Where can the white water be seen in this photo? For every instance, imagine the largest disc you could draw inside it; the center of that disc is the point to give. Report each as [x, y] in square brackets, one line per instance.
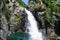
[32, 26]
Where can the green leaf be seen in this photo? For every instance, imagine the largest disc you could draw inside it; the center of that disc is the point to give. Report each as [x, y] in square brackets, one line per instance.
[21, 3]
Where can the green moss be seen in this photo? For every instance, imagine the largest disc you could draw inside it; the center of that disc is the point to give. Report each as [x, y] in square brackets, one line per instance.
[3, 16]
[0, 1]
[17, 19]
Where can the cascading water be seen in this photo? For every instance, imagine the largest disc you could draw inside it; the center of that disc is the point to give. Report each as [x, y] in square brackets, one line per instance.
[32, 27]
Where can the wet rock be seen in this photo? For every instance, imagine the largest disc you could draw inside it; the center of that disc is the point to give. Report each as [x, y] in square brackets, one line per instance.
[1, 38]
[23, 19]
[57, 27]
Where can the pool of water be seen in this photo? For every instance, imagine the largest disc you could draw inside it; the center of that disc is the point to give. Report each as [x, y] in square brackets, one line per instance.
[20, 36]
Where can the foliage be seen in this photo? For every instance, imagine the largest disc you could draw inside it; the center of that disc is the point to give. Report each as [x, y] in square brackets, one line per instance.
[51, 8]
[21, 3]
[52, 5]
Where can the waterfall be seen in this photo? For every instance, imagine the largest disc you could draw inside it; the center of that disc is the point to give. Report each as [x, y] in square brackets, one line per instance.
[32, 27]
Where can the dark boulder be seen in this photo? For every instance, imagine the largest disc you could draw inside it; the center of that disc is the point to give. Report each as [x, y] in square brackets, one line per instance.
[57, 27]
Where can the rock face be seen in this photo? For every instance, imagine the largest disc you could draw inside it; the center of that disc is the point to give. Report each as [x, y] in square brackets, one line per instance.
[16, 21]
[17, 18]
[38, 11]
